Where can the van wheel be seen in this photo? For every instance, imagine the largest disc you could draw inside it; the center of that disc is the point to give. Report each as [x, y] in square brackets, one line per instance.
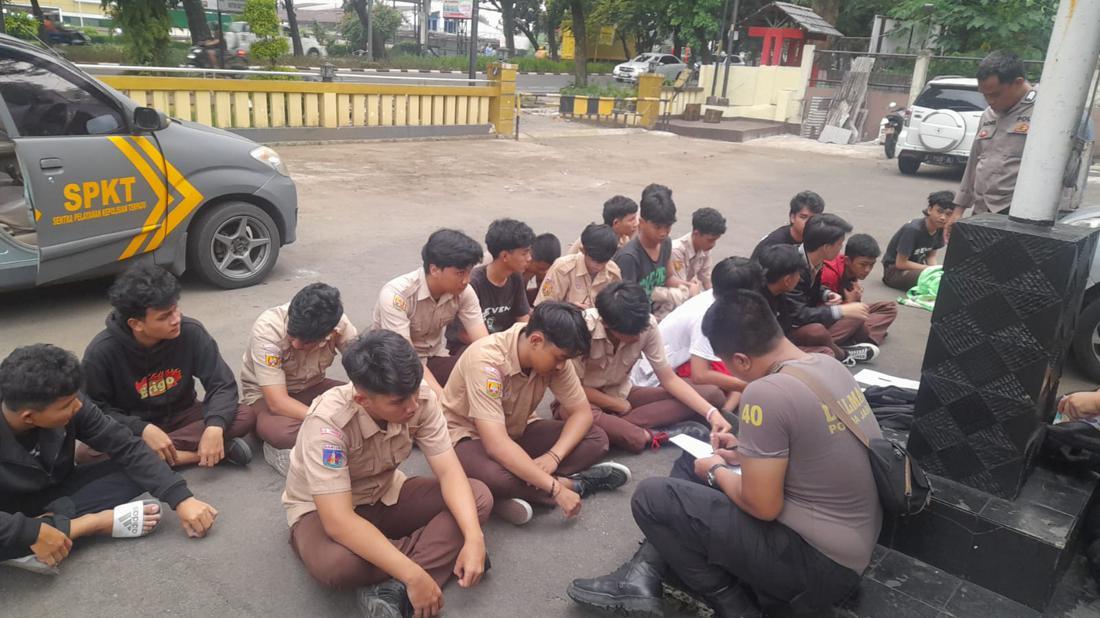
[233, 245]
[314, 53]
[908, 165]
[1086, 341]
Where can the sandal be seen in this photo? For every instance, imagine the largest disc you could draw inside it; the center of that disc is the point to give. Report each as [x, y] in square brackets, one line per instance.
[129, 519]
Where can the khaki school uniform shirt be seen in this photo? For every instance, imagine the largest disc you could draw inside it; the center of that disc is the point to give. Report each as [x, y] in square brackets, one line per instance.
[688, 264]
[577, 245]
[269, 358]
[488, 384]
[607, 368]
[406, 307]
[568, 281]
[342, 449]
[990, 178]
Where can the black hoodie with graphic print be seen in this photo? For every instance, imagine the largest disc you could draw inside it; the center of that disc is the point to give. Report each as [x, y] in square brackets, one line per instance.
[137, 385]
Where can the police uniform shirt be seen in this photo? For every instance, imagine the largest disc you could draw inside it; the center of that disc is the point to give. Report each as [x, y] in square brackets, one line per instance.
[269, 358]
[568, 281]
[687, 263]
[994, 163]
[488, 384]
[406, 307]
[607, 366]
[342, 449]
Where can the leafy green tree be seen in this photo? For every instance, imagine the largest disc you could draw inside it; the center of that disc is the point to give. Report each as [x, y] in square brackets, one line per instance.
[21, 26]
[386, 20]
[263, 19]
[144, 26]
[980, 26]
[196, 21]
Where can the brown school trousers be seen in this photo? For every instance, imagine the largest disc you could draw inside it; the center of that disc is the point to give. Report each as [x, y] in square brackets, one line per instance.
[537, 438]
[649, 407]
[442, 366]
[419, 525]
[281, 431]
[900, 279]
[817, 338]
[186, 427]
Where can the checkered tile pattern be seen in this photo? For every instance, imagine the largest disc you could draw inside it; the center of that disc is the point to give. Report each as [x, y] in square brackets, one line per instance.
[1005, 313]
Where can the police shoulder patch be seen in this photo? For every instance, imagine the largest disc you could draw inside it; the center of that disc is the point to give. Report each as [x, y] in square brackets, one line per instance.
[1021, 127]
[400, 303]
[332, 456]
[1030, 96]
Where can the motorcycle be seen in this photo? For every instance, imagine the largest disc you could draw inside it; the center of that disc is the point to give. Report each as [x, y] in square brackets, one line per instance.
[199, 57]
[891, 129]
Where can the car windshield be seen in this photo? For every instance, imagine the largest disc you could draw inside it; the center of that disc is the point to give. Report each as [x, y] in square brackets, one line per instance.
[643, 58]
[955, 98]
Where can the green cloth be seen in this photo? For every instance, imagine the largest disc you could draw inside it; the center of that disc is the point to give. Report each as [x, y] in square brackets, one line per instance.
[923, 294]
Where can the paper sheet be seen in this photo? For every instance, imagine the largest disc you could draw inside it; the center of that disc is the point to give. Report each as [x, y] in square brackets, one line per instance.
[871, 377]
[696, 448]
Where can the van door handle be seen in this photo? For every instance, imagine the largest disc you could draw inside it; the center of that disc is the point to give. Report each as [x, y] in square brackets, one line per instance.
[50, 164]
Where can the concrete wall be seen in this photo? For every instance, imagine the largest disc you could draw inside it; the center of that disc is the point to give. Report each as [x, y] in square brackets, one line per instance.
[877, 102]
[765, 92]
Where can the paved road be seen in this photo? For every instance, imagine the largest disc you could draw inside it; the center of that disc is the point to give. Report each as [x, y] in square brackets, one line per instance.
[365, 211]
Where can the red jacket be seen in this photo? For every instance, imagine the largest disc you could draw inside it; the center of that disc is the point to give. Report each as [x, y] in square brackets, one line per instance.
[833, 274]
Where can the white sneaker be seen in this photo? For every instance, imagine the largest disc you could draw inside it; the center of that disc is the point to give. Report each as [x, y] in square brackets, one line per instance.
[514, 511]
[277, 458]
[861, 352]
[31, 563]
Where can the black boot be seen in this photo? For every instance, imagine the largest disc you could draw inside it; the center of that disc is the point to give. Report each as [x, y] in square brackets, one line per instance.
[386, 600]
[733, 601]
[633, 589]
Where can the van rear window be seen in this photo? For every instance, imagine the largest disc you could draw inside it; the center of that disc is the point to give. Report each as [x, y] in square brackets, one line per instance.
[953, 98]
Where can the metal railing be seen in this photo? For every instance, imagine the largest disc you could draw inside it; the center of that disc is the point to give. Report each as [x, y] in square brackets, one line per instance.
[245, 73]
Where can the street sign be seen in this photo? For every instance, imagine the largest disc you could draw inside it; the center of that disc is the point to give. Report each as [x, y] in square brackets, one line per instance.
[458, 9]
[227, 6]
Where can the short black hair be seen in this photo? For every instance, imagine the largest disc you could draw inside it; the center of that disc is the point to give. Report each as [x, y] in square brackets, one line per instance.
[34, 376]
[624, 307]
[862, 245]
[508, 235]
[736, 273]
[824, 229]
[807, 199]
[1006, 65]
[563, 325]
[618, 207]
[943, 199]
[314, 311]
[708, 221]
[742, 324]
[657, 206]
[778, 261]
[600, 242]
[545, 248]
[383, 362]
[448, 248]
[142, 287]
[654, 188]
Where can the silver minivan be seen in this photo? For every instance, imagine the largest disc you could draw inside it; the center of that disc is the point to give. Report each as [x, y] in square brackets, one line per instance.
[939, 127]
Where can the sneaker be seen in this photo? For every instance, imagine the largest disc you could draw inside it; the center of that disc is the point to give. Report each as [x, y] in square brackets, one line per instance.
[277, 458]
[848, 361]
[386, 600]
[31, 563]
[237, 452]
[693, 429]
[601, 477]
[513, 510]
[861, 352]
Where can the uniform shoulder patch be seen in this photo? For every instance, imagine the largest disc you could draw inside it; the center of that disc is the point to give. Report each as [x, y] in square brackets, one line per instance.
[547, 287]
[494, 387]
[1021, 127]
[677, 264]
[335, 433]
[400, 303]
[332, 456]
[272, 360]
[1031, 96]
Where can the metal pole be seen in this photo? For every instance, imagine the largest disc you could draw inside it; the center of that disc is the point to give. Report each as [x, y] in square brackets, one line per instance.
[1067, 75]
[370, 30]
[729, 48]
[473, 40]
[725, 31]
[3, 26]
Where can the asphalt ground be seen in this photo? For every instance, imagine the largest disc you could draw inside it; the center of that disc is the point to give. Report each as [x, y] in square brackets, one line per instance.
[365, 211]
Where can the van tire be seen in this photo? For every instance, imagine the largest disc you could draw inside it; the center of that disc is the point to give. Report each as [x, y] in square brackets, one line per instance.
[908, 165]
[240, 228]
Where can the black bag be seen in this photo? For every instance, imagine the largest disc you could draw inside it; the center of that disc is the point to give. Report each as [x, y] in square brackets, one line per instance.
[903, 488]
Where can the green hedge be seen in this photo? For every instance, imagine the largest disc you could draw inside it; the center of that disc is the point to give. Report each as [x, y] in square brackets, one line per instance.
[596, 90]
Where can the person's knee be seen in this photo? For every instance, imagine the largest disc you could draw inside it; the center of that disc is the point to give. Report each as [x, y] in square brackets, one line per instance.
[483, 499]
[597, 441]
[650, 492]
[339, 569]
[815, 334]
[714, 395]
[243, 423]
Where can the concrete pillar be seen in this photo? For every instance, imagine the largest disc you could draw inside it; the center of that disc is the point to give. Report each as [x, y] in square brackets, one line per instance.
[502, 106]
[920, 74]
[649, 98]
[1067, 77]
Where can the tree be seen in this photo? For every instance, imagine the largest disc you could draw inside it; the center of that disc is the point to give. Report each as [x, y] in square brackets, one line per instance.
[554, 16]
[21, 26]
[519, 16]
[292, 21]
[263, 20]
[196, 21]
[577, 10]
[144, 26]
[644, 21]
[980, 26]
[386, 22]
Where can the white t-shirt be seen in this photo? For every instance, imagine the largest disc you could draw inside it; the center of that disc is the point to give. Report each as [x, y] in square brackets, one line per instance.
[682, 332]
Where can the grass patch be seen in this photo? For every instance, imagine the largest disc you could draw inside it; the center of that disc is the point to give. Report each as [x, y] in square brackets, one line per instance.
[597, 90]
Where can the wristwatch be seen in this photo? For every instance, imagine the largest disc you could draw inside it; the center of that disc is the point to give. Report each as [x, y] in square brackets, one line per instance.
[712, 480]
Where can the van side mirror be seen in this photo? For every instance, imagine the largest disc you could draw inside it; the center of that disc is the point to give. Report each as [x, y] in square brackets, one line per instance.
[149, 119]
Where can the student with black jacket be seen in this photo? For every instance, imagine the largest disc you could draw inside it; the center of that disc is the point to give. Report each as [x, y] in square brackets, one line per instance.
[46, 501]
[142, 369]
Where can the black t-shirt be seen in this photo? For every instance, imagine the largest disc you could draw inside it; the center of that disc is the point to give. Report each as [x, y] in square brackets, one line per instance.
[500, 306]
[637, 267]
[781, 236]
[913, 241]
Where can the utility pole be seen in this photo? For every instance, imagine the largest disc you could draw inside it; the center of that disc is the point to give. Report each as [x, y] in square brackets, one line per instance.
[473, 39]
[723, 31]
[1067, 76]
[3, 26]
[370, 30]
[733, 35]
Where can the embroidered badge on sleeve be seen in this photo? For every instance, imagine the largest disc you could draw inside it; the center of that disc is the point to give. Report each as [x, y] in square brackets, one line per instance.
[332, 456]
[494, 388]
[399, 302]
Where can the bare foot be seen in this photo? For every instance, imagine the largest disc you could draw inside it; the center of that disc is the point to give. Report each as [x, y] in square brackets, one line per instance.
[102, 523]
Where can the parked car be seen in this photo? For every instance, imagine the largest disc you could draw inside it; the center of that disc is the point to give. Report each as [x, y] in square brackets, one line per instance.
[90, 182]
[664, 64]
[941, 124]
[240, 37]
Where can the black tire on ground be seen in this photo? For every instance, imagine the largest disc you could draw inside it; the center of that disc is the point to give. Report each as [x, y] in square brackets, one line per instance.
[1086, 341]
[233, 245]
[313, 53]
[908, 165]
[890, 147]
